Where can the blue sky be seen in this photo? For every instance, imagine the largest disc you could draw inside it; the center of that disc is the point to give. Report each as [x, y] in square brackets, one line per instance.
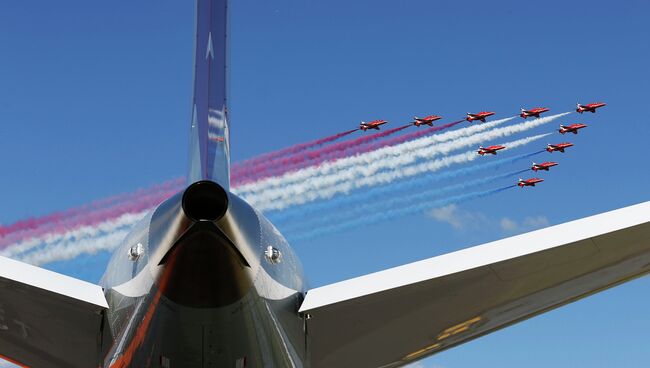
[95, 101]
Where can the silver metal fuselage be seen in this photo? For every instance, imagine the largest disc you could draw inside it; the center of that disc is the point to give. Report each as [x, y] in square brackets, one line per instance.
[203, 293]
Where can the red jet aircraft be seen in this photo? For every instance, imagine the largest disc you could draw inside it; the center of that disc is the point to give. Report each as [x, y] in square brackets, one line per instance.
[558, 147]
[428, 120]
[372, 125]
[573, 128]
[543, 166]
[529, 182]
[491, 150]
[590, 107]
[479, 116]
[532, 112]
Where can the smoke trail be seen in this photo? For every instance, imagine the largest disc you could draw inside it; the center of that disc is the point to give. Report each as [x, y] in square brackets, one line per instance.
[357, 177]
[377, 193]
[34, 249]
[292, 163]
[347, 162]
[89, 218]
[385, 214]
[399, 197]
[288, 151]
[106, 236]
[389, 157]
[247, 174]
[79, 216]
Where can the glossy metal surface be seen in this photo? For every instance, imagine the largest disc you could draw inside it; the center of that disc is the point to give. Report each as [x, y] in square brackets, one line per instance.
[203, 294]
[209, 135]
[394, 317]
[48, 320]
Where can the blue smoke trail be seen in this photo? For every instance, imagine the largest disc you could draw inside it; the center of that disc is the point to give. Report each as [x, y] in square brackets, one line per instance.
[365, 196]
[390, 213]
[352, 211]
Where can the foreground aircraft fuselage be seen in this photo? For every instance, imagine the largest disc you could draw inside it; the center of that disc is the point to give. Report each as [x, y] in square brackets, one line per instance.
[204, 281]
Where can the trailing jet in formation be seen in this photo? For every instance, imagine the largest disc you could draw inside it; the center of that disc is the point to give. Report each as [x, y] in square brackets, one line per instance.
[532, 112]
[529, 182]
[205, 280]
[489, 150]
[479, 116]
[372, 125]
[573, 128]
[558, 147]
[427, 120]
[589, 107]
[543, 166]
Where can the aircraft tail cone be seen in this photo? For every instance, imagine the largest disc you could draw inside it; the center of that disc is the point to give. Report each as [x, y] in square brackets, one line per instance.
[205, 201]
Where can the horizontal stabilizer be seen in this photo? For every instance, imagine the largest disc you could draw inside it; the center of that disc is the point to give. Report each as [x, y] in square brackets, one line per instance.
[49, 320]
[399, 315]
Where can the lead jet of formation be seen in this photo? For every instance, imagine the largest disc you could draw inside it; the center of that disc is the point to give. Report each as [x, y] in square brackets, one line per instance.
[427, 120]
[573, 128]
[529, 182]
[589, 107]
[478, 116]
[558, 147]
[543, 166]
[492, 150]
[372, 125]
[532, 112]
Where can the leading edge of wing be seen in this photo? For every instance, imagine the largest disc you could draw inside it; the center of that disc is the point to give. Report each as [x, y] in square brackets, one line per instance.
[478, 256]
[40, 278]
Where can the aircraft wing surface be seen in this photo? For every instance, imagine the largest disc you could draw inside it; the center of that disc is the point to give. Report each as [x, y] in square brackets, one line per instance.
[396, 316]
[47, 319]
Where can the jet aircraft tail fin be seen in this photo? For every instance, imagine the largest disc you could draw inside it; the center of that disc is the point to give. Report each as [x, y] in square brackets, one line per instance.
[210, 136]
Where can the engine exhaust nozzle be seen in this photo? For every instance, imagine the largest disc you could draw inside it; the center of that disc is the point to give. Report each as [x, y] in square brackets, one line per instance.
[205, 201]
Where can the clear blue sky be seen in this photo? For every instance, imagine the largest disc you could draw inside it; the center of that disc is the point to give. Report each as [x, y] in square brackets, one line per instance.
[95, 97]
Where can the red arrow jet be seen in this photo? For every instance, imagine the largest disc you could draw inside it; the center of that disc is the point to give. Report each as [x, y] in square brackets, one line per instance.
[479, 116]
[589, 107]
[543, 166]
[529, 182]
[558, 147]
[491, 150]
[573, 128]
[532, 112]
[372, 125]
[427, 120]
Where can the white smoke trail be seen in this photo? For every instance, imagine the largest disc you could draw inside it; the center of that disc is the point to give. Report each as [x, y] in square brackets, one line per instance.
[363, 159]
[86, 239]
[355, 167]
[344, 182]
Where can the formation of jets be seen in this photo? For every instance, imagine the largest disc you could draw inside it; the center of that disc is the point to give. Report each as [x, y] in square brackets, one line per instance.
[535, 112]
[481, 116]
[573, 128]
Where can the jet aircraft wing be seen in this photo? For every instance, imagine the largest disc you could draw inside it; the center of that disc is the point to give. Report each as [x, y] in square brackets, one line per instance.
[49, 320]
[396, 316]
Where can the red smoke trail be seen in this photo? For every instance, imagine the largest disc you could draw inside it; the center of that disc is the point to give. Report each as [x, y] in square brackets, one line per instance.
[96, 212]
[333, 152]
[261, 159]
[251, 173]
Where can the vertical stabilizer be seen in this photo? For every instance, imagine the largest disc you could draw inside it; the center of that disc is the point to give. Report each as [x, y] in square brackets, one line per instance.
[209, 140]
